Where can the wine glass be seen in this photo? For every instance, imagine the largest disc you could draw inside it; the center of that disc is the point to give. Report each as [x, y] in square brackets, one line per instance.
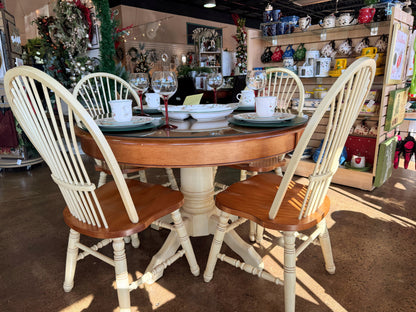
[165, 84]
[256, 80]
[140, 82]
[215, 81]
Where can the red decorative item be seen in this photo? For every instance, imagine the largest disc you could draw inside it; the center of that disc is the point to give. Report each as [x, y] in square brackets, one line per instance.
[362, 146]
[277, 54]
[8, 134]
[366, 15]
[87, 14]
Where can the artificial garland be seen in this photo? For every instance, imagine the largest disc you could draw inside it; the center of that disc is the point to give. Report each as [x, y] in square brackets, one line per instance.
[71, 29]
[241, 38]
[107, 50]
[65, 41]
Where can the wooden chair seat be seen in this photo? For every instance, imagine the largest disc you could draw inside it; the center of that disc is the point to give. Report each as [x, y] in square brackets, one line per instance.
[252, 198]
[151, 202]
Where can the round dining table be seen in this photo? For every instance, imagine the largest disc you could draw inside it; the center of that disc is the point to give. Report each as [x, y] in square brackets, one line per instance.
[198, 148]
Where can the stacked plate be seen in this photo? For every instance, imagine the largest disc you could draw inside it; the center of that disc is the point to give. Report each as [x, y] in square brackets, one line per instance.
[199, 112]
[277, 120]
[108, 124]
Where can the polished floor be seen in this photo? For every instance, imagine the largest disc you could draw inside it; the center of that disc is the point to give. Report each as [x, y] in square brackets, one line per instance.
[373, 238]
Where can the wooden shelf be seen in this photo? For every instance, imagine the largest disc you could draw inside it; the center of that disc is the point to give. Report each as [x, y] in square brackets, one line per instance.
[343, 176]
[13, 163]
[320, 34]
[211, 52]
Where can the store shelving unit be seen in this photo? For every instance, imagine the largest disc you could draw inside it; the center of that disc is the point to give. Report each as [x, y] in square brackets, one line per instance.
[315, 38]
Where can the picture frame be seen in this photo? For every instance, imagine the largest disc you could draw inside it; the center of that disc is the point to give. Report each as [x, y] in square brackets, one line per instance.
[395, 108]
[15, 41]
[385, 161]
[397, 54]
[190, 27]
[410, 55]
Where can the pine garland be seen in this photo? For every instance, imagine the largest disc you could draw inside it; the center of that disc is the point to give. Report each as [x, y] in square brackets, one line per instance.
[107, 50]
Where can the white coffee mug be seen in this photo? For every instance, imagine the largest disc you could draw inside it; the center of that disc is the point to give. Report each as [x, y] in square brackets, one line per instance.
[345, 19]
[357, 161]
[328, 21]
[265, 106]
[246, 98]
[153, 100]
[305, 22]
[121, 110]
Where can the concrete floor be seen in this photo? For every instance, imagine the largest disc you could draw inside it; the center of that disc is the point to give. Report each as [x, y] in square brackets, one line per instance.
[373, 238]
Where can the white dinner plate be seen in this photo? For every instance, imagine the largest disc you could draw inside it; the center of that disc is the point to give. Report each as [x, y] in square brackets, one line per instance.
[199, 112]
[210, 108]
[178, 112]
[252, 117]
[135, 121]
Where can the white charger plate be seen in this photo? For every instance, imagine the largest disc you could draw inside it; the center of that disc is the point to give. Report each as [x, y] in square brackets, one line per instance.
[252, 117]
[135, 121]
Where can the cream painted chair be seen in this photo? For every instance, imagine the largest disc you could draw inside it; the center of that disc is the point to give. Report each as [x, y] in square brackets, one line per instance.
[296, 207]
[118, 208]
[95, 91]
[285, 85]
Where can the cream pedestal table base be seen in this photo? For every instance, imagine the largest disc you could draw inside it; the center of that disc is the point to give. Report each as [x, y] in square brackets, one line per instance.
[199, 213]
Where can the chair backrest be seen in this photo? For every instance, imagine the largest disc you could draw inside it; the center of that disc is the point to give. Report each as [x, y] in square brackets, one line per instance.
[342, 104]
[95, 91]
[31, 94]
[284, 84]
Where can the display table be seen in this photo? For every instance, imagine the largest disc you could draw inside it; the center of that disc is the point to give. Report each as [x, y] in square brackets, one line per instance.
[197, 152]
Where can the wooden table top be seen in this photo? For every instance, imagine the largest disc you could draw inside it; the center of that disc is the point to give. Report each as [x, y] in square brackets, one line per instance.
[195, 146]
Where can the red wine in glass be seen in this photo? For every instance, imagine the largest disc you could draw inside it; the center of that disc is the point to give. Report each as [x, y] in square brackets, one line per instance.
[140, 82]
[165, 84]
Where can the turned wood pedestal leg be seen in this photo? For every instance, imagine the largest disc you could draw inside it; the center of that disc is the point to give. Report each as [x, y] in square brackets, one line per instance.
[200, 215]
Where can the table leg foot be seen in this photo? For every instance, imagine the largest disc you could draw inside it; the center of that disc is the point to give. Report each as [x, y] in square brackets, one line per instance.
[168, 249]
[244, 250]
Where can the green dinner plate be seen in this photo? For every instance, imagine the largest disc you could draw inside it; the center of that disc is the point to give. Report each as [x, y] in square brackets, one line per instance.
[246, 108]
[367, 167]
[128, 128]
[290, 123]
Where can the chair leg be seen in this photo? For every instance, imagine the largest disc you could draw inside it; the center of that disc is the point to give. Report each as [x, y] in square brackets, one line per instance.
[122, 277]
[135, 241]
[102, 179]
[253, 230]
[172, 180]
[289, 271]
[216, 246]
[259, 233]
[185, 242]
[326, 247]
[142, 176]
[71, 260]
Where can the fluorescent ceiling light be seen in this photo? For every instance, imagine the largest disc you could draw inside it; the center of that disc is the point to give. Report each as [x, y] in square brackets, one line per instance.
[210, 4]
[308, 2]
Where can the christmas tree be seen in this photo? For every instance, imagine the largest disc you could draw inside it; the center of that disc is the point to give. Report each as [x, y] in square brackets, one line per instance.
[241, 38]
